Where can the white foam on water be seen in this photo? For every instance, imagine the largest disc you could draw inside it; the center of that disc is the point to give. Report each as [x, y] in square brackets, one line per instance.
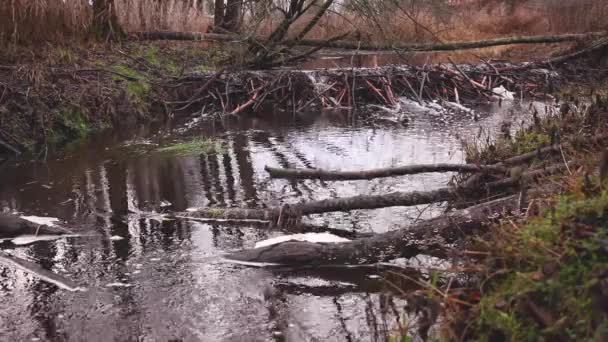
[29, 239]
[306, 237]
[117, 284]
[116, 238]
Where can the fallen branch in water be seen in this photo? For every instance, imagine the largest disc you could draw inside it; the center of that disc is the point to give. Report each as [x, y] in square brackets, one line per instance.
[544, 152]
[378, 173]
[424, 237]
[288, 215]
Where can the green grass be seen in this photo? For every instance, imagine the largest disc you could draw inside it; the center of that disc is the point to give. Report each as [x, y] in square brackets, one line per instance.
[570, 240]
[139, 89]
[196, 146]
[151, 56]
[71, 123]
[545, 276]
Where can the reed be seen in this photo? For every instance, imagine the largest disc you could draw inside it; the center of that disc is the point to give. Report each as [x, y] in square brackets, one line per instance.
[24, 21]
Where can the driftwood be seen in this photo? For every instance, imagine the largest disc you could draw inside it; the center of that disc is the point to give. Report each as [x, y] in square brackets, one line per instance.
[290, 214]
[171, 35]
[423, 237]
[378, 173]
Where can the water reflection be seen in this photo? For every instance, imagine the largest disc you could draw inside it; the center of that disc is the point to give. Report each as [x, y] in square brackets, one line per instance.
[173, 284]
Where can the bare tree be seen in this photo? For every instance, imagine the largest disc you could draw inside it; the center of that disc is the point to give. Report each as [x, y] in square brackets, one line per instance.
[228, 16]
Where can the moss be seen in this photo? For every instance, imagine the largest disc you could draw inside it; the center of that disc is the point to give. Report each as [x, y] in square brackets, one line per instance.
[197, 146]
[150, 54]
[216, 212]
[138, 88]
[567, 294]
[172, 68]
[72, 123]
[126, 70]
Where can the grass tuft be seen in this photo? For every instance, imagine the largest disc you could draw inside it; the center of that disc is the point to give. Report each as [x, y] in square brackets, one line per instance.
[196, 146]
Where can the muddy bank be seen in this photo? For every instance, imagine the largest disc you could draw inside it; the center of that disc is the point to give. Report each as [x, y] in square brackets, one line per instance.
[50, 96]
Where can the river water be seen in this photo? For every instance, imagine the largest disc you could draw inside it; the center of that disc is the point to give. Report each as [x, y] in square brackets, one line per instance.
[165, 280]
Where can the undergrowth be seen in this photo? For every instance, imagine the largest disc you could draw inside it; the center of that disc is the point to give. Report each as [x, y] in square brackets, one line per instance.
[52, 95]
[545, 271]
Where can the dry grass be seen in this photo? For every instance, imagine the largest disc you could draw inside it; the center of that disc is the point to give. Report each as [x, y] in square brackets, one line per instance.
[24, 21]
[44, 20]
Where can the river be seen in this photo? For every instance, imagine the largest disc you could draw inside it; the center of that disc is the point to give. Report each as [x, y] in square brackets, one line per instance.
[149, 279]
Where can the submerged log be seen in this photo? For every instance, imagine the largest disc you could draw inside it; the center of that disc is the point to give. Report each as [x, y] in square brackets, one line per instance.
[424, 237]
[378, 173]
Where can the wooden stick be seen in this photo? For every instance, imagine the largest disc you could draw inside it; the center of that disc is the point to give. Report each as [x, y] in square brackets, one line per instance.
[378, 173]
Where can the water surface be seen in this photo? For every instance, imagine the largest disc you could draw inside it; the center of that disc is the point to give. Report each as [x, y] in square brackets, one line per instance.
[166, 279]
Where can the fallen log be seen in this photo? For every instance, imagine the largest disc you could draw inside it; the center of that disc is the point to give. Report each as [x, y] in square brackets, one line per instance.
[378, 173]
[290, 214]
[421, 238]
[352, 45]
[544, 152]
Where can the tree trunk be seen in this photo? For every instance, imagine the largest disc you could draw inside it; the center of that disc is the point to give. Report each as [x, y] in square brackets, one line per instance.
[426, 237]
[105, 23]
[290, 214]
[218, 16]
[341, 44]
[377, 173]
[232, 16]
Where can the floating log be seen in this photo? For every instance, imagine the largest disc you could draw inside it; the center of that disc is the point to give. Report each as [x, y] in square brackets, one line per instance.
[378, 173]
[426, 237]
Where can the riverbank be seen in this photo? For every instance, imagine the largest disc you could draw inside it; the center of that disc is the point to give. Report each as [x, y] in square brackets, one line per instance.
[541, 272]
[52, 95]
